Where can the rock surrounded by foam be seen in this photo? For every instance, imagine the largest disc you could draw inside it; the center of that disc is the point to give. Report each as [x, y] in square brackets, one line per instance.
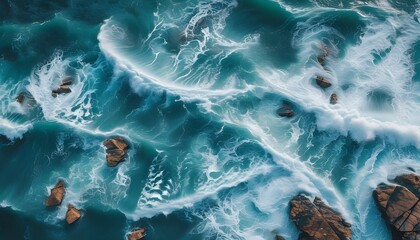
[322, 82]
[318, 221]
[116, 149]
[64, 87]
[137, 234]
[333, 99]
[20, 98]
[400, 207]
[321, 58]
[57, 194]
[72, 214]
[286, 110]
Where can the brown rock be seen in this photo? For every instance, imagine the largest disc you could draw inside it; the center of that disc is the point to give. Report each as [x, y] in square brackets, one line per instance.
[317, 221]
[64, 87]
[20, 98]
[137, 234]
[333, 99]
[72, 214]
[116, 149]
[56, 195]
[286, 110]
[400, 207]
[411, 182]
[322, 82]
[334, 219]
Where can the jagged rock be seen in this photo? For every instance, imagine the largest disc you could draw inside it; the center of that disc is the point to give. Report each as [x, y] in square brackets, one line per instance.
[322, 82]
[317, 221]
[64, 87]
[400, 207]
[20, 98]
[72, 214]
[116, 149]
[333, 99]
[410, 181]
[56, 195]
[286, 110]
[137, 234]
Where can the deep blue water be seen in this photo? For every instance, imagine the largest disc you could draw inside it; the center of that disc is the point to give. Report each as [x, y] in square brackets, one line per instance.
[194, 86]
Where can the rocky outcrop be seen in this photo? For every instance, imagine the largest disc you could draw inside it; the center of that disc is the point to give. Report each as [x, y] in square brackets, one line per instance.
[56, 195]
[137, 234]
[72, 214]
[20, 98]
[116, 149]
[333, 99]
[286, 110]
[410, 181]
[399, 206]
[322, 82]
[317, 221]
[64, 87]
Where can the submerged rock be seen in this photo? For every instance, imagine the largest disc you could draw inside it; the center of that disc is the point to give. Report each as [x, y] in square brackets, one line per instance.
[323, 56]
[116, 149]
[286, 110]
[72, 214]
[317, 220]
[400, 207]
[56, 195]
[333, 99]
[66, 81]
[322, 82]
[137, 234]
[278, 237]
[20, 98]
[64, 87]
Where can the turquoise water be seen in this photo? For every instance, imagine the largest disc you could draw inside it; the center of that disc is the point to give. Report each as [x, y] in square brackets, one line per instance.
[194, 86]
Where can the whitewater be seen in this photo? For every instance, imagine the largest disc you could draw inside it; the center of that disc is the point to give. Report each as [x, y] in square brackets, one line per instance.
[195, 88]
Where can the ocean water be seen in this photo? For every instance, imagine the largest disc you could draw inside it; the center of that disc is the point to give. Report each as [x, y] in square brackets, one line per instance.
[194, 86]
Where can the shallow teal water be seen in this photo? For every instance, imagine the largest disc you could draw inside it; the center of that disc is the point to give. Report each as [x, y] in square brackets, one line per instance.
[194, 86]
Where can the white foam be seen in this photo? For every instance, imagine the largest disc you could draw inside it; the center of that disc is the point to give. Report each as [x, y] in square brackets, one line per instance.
[181, 72]
[13, 130]
[74, 107]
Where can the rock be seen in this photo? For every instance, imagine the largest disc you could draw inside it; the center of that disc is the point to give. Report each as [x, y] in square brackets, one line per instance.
[400, 207]
[321, 59]
[20, 98]
[323, 56]
[411, 182]
[322, 82]
[116, 149]
[72, 214]
[66, 81]
[333, 99]
[56, 195]
[286, 110]
[317, 220]
[64, 87]
[137, 234]
[278, 237]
